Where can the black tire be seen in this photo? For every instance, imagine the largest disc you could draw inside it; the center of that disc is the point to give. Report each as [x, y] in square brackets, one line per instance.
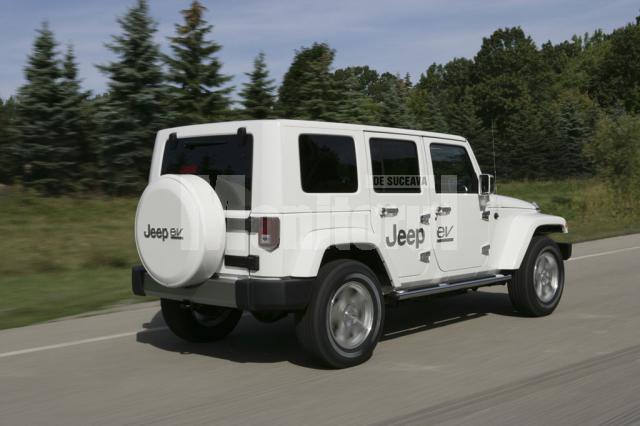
[199, 323]
[522, 291]
[312, 326]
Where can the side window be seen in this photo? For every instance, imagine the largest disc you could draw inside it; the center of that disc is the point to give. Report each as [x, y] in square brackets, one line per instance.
[395, 165]
[453, 170]
[328, 163]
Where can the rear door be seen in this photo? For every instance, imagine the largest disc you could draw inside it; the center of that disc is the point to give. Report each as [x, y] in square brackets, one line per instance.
[398, 200]
[225, 160]
[460, 231]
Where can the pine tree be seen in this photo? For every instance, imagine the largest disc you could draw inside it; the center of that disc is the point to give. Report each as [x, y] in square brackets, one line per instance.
[77, 123]
[353, 105]
[308, 91]
[257, 95]
[8, 143]
[392, 97]
[44, 149]
[365, 77]
[427, 109]
[464, 121]
[198, 95]
[571, 126]
[521, 149]
[135, 107]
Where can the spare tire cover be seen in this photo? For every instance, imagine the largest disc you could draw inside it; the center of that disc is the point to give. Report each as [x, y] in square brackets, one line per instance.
[180, 230]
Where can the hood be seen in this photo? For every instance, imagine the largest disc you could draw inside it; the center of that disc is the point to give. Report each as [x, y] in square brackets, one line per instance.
[501, 201]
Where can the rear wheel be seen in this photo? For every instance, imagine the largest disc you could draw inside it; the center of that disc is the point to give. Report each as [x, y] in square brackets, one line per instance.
[199, 323]
[536, 288]
[342, 324]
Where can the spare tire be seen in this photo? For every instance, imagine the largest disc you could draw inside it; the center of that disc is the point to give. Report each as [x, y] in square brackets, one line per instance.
[180, 230]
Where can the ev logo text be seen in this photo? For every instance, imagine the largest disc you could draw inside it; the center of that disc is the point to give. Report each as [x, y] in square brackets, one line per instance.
[163, 233]
[443, 233]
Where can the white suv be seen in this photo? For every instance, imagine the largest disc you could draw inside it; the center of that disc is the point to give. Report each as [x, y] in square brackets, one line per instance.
[330, 222]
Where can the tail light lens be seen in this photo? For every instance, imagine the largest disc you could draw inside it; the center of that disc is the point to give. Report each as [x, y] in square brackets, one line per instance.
[269, 233]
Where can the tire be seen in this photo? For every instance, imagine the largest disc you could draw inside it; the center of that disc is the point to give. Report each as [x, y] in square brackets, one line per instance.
[199, 323]
[536, 291]
[347, 299]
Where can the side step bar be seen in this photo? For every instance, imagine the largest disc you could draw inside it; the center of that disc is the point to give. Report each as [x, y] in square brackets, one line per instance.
[429, 290]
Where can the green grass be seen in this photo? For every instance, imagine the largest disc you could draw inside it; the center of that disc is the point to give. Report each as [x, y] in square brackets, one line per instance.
[65, 256]
[590, 210]
[42, 296]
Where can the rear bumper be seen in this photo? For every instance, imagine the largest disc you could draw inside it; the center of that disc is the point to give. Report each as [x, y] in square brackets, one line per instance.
[254, 294]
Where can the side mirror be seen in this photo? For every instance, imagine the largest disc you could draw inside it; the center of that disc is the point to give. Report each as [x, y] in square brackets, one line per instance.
[486, 184]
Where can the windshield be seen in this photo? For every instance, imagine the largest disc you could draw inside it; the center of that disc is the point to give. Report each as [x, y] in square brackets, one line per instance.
[222, 160]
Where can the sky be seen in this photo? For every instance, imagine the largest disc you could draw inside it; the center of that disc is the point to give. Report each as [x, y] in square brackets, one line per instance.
[397, 36]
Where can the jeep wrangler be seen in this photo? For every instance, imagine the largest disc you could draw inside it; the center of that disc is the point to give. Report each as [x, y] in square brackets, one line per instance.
[329, 222]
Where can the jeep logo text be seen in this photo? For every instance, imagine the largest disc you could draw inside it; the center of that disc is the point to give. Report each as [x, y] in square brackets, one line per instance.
[402, 237]
[163, 233]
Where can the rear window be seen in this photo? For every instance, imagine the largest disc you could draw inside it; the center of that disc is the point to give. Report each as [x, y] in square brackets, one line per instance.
[328, 164]
[225, 161]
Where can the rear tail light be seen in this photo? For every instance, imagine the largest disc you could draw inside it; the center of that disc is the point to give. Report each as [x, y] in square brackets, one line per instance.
[269, 233]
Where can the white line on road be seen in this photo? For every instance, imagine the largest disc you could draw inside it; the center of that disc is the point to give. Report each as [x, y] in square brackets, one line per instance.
[150, 330]
[604, 253]
[79, 342]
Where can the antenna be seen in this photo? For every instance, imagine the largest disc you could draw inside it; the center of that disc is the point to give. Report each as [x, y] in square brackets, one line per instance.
[493, 148]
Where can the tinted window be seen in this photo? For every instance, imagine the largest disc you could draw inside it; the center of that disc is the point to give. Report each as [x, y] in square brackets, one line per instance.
[395, 165]
[328, 163]
[453, 170]
[224, 161]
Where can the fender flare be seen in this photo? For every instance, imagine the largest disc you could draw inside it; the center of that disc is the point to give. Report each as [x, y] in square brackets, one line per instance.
[512, 237]
[315, 243]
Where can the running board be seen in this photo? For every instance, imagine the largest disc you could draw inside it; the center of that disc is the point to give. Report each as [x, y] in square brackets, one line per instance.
[429, 290]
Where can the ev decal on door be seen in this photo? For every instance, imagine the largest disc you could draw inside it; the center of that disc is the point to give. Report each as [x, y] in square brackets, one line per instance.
[444, 234]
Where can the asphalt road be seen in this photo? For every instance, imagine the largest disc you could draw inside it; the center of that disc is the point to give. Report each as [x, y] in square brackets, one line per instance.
[463, 359]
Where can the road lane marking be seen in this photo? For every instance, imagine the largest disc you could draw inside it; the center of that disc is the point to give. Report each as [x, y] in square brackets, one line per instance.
[604, 253]
[80, 342]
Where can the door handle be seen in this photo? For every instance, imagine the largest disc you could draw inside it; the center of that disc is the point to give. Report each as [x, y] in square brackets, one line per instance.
[388, 211]
[443, 211]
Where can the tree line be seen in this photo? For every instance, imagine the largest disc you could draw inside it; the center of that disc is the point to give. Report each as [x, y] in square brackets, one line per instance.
[552, 111]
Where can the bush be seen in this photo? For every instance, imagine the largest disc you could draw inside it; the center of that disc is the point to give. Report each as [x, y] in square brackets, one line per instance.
[615, 151]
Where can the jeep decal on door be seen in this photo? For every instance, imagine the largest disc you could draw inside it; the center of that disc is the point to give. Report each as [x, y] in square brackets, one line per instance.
[412, 237]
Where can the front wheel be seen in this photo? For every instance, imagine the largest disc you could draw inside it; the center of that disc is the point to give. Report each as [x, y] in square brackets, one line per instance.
[536, 287]
[342, 324]
[199, 323]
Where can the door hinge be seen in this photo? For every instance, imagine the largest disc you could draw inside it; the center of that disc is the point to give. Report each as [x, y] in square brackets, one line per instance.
[424, 219]
[485, 249]
[424, 256]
